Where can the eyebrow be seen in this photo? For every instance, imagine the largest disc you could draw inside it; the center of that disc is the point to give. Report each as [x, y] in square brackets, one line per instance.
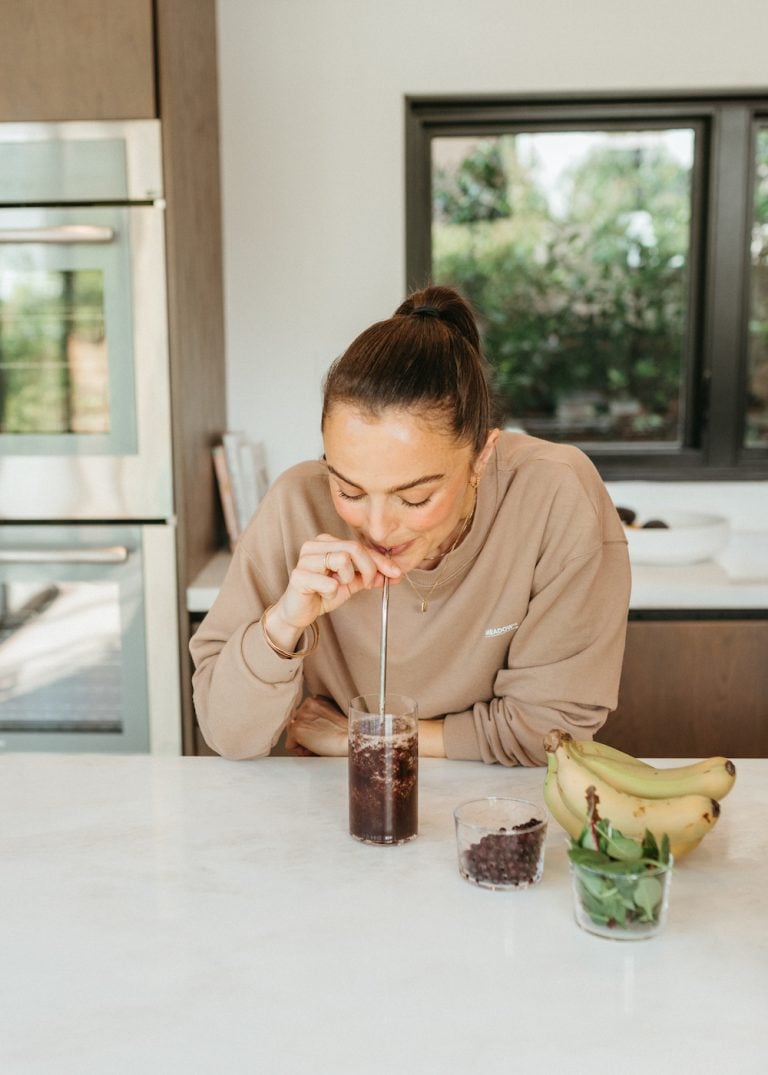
[397, 489]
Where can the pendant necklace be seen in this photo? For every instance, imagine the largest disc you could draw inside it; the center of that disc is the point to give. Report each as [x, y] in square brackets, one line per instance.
[424, 597]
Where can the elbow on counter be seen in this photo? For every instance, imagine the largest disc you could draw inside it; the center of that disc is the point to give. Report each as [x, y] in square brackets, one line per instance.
[233, 746]
[232, 736]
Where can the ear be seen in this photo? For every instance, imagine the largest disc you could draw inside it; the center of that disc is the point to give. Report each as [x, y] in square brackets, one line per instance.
[482, 459]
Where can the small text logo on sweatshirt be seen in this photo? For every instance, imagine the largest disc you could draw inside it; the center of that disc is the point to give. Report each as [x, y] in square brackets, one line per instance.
[494, 632]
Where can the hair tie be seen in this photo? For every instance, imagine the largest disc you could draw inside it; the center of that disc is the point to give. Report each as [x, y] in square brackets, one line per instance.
[427, 311]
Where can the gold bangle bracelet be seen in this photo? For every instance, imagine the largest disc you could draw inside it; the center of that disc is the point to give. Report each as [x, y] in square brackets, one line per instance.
[284, 653]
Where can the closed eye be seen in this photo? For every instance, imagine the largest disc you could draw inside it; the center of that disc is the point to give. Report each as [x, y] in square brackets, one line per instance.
[406, 503]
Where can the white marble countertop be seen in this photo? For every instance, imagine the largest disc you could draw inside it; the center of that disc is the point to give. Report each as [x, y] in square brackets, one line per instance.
[736, 579]
[194, 915]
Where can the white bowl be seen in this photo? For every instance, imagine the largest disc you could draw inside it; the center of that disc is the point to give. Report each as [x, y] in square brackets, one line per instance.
[690, 538]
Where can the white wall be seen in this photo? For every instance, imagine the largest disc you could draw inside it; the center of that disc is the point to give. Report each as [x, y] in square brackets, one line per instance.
[313, 158]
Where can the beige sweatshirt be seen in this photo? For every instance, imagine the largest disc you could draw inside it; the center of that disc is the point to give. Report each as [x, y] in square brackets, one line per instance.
[524, 632]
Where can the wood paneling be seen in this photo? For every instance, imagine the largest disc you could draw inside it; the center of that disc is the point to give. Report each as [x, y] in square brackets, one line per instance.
[693, 689]
[76, 59]
[188, 104]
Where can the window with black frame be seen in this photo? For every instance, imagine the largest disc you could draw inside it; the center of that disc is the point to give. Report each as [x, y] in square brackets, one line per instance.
[756, 411]
[617, 253]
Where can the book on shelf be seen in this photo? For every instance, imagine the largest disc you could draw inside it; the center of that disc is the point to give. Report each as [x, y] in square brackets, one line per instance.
[241, 472]
[232, 443]
[225, 494]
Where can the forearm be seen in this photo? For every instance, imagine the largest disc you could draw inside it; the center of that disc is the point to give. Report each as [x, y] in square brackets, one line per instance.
[431, 739]
[511, 732]
[243, 692]
[279, 631]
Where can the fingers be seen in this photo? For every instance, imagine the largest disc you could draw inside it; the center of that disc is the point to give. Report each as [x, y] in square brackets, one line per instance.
[340, 564]
[346, 559]
[329, 571]
[317, 706]
[292, 744]
[322, 737]
[317, 727]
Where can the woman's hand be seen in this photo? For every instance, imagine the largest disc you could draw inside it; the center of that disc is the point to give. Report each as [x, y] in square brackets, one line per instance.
[318, 727]
[329, 571]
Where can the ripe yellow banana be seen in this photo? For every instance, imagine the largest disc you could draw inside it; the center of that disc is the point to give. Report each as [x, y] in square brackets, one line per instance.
[554, 800]
[685, 818]
[681, 848]
[713, 777]
[591, 748]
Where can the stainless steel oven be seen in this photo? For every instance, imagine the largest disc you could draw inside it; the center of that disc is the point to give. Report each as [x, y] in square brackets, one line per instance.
[88, 638]
[89, 655]
[84, 381]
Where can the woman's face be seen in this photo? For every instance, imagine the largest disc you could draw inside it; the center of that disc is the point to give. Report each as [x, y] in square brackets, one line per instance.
[399, 482]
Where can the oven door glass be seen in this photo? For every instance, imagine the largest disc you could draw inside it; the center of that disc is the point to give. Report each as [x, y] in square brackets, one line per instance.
[66, 340]
[72, 639]
[84, 392]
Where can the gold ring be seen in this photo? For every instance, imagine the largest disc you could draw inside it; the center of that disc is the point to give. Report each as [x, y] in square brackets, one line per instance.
[326, 565]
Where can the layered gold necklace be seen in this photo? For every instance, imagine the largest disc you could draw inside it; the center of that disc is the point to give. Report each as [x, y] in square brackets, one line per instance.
[424, 597]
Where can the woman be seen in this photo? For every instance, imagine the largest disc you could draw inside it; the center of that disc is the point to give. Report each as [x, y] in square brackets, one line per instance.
[507, 562]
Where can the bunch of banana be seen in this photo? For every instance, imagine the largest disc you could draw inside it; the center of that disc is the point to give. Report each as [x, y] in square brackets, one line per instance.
[682, 801]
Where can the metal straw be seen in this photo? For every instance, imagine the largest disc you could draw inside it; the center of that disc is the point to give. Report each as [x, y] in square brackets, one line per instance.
[383, 649]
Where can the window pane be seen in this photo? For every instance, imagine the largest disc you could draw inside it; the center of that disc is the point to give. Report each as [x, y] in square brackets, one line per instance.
[575, 248]
[756, 428]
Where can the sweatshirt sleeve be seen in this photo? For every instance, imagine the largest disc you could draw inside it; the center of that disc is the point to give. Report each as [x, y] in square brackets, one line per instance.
[564, 663]
[243, 691]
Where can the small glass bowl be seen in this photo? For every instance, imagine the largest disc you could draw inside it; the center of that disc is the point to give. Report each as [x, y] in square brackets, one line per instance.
[621, 907]
[500, 842]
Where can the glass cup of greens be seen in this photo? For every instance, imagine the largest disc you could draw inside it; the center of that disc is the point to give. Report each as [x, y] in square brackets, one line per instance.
[624, 905]
[620, 887]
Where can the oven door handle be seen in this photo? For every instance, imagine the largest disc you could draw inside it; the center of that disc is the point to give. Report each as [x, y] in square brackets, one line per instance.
[63, 233]
[112, 554]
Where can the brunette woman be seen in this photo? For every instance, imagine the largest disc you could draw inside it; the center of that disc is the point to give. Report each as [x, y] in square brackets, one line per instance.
[507, 561]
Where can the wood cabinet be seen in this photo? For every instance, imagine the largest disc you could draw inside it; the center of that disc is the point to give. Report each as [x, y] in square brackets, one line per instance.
[689, 688]
[693, 688]
[189, 115]
[139, 59]
[79, 59]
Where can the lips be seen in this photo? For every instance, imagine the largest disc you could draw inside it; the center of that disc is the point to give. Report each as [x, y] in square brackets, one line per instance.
[393, 550]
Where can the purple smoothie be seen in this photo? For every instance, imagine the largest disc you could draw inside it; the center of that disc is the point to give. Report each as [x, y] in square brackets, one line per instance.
[383, 779]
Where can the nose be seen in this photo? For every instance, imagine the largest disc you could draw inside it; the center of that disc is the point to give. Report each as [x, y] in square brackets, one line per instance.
[380, 523]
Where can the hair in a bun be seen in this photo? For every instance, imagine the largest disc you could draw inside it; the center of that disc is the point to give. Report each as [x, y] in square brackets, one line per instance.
[425, 357]
[451, 308]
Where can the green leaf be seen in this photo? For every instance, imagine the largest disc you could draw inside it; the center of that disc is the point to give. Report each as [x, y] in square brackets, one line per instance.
[647, 894]
[586, 856]
[650, 847]
[602, 902]
[664, 853]
[593, 904]
[624, 848]
[604, 828]
[617, 911]
[586, 839]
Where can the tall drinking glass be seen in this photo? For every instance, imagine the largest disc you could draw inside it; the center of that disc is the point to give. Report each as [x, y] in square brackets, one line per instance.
[383, 766]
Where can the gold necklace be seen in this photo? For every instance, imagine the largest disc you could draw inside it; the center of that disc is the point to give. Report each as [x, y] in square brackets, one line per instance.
[424, 597]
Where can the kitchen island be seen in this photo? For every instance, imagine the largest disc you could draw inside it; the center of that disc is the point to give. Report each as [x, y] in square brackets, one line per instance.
[197, 915]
